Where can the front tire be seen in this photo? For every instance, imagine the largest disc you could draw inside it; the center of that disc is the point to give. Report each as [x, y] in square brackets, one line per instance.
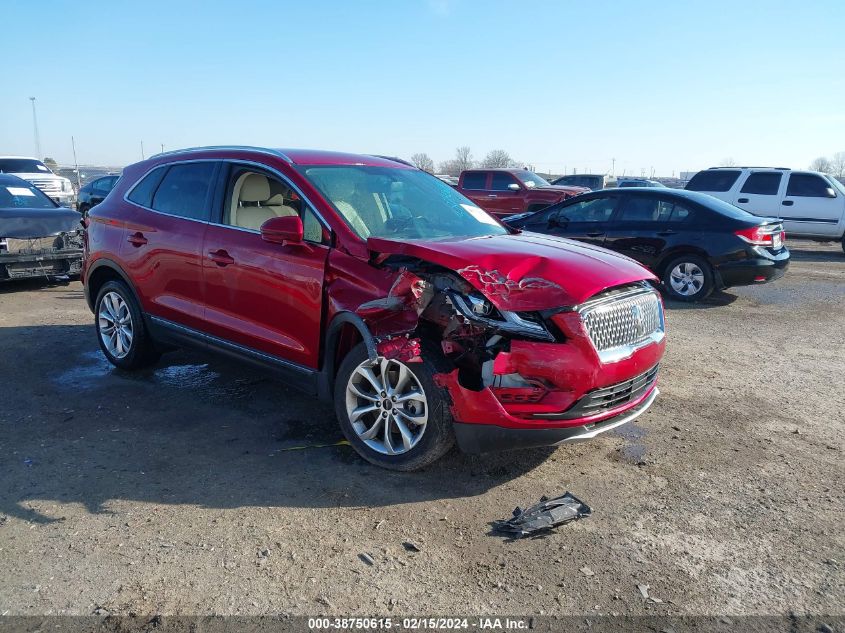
[688, 278]
[393, 413]
[120, 328]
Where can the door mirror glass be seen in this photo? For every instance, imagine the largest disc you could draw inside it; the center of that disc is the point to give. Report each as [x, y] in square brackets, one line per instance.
[830, 192]
[513, 186]
[286, 229]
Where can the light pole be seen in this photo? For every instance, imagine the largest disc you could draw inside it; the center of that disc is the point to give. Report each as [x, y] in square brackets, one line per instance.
[35, 128]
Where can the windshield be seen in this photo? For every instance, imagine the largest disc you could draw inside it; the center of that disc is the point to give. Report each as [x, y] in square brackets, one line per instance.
[23, 196]
[22, 166]
[399, 203]
[530, 179]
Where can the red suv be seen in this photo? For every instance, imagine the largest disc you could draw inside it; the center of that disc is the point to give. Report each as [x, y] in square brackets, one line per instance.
[370, 283]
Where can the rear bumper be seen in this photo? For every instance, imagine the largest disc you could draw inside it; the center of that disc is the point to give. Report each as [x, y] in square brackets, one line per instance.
[754, 270]
[485, 438]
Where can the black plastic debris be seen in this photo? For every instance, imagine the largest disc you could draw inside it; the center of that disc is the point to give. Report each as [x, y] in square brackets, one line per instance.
[544, 516]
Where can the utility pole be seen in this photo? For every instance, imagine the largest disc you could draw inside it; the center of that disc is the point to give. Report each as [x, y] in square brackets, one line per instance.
[613, 169]
[142, 150]
[38, 154]
[162, 148]
[76, 163]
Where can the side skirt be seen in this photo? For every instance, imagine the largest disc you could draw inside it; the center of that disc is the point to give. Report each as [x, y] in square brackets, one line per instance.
[168, 332]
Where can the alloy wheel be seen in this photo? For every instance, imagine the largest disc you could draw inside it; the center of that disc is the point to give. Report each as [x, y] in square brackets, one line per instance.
[687, 279]
[115, 324]
[386, 405]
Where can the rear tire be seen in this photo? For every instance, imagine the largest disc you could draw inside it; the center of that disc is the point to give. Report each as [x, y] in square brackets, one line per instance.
[120, 326]
[842, 244]
[354, 390]
[688, 278]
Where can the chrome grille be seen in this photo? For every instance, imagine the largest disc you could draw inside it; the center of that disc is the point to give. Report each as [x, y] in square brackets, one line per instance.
[619, 323]
[32, 245]
[47, 185]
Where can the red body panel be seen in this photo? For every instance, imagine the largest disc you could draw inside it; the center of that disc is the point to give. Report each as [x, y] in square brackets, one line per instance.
[279, 300]
[503, 203]
[526, 271]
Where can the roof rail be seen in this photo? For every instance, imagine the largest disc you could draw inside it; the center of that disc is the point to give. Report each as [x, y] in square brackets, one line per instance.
[394, 159]
[245, 148]
[750, 167]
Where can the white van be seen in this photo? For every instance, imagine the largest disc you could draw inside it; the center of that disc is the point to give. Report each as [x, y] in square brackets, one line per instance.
[811, 204]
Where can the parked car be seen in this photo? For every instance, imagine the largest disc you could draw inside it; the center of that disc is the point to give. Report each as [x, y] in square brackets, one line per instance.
[94, 192]
[695, 243]
[33, 170]
[638, 182]
[376, 286]
[38, 238]
[449, 180]
[593, 182]
[810, 204]
[504, 192]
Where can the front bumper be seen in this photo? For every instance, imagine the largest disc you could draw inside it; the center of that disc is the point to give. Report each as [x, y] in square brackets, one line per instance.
[485, 438]
[55, 263]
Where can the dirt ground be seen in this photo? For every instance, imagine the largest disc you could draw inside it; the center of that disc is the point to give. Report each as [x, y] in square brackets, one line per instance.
[184, 490]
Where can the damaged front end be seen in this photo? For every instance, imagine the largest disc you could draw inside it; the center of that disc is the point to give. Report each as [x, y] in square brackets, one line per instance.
[521, 377]
[48, 257]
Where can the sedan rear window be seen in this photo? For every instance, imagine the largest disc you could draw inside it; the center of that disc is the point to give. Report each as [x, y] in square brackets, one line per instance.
[713, 180]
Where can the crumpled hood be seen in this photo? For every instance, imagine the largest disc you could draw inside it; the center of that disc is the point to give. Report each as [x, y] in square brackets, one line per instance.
[527, 271]
[26, 223]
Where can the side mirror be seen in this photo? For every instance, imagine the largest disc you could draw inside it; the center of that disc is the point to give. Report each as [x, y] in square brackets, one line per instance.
[513, 186]
[830, 192]
[286, 229]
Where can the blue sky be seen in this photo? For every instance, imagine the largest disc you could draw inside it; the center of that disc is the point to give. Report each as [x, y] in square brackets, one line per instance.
[562, 85]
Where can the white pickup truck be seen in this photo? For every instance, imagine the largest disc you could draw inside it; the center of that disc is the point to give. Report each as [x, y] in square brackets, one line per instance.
[58, 188]
[810, 204]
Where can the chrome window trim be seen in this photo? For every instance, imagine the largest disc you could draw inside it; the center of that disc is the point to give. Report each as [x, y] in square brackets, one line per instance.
[162, 166]
[249, 163]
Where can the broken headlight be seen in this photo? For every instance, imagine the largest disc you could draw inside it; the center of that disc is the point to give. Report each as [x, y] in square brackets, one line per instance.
[477, 308]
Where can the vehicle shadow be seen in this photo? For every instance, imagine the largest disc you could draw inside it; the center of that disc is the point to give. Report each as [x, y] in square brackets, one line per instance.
[808, 254]
[190, 430]
[718, 299]
[35, 283]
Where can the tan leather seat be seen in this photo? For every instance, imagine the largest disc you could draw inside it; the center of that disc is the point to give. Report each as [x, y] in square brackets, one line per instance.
[252, 204]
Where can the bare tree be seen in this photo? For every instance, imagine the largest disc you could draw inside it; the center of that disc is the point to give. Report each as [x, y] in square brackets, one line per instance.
[423, 161]
[822, 164]
[839, 164]
[498, 158]
[463, 160]
[51, 164]
[728, 162]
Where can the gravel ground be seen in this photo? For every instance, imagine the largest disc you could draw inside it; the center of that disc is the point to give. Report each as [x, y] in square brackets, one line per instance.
[184, 489]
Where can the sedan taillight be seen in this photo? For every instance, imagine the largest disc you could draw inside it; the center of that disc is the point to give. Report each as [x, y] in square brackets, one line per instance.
[760, 236]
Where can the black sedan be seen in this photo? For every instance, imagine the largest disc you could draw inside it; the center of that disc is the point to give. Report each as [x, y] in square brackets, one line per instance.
[694, 242]
[38, 238]
[94, 192]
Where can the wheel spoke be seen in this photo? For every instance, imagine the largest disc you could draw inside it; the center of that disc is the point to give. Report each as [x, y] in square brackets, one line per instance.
[360, 411]
[411, 395]
[361, 394]
[384, 368]
[407, 437]
[402, 380]
[372, 432]
[367, 373]
[416, 420]
[388, 443]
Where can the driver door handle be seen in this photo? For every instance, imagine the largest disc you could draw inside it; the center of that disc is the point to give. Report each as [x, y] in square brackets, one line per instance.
[742, 200]
[137, 239]
[788, 203]
[221, 257]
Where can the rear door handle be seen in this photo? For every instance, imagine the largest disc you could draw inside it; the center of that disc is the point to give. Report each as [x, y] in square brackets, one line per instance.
[137, 239]
[788, 203]
[595, 234]
[492, 195]
[221, 257]
[742, 200]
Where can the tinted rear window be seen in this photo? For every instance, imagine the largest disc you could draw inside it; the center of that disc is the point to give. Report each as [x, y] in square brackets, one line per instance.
[143, 192]
[713, 180]
[184, 189]
[764, 183]
[475, 180]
